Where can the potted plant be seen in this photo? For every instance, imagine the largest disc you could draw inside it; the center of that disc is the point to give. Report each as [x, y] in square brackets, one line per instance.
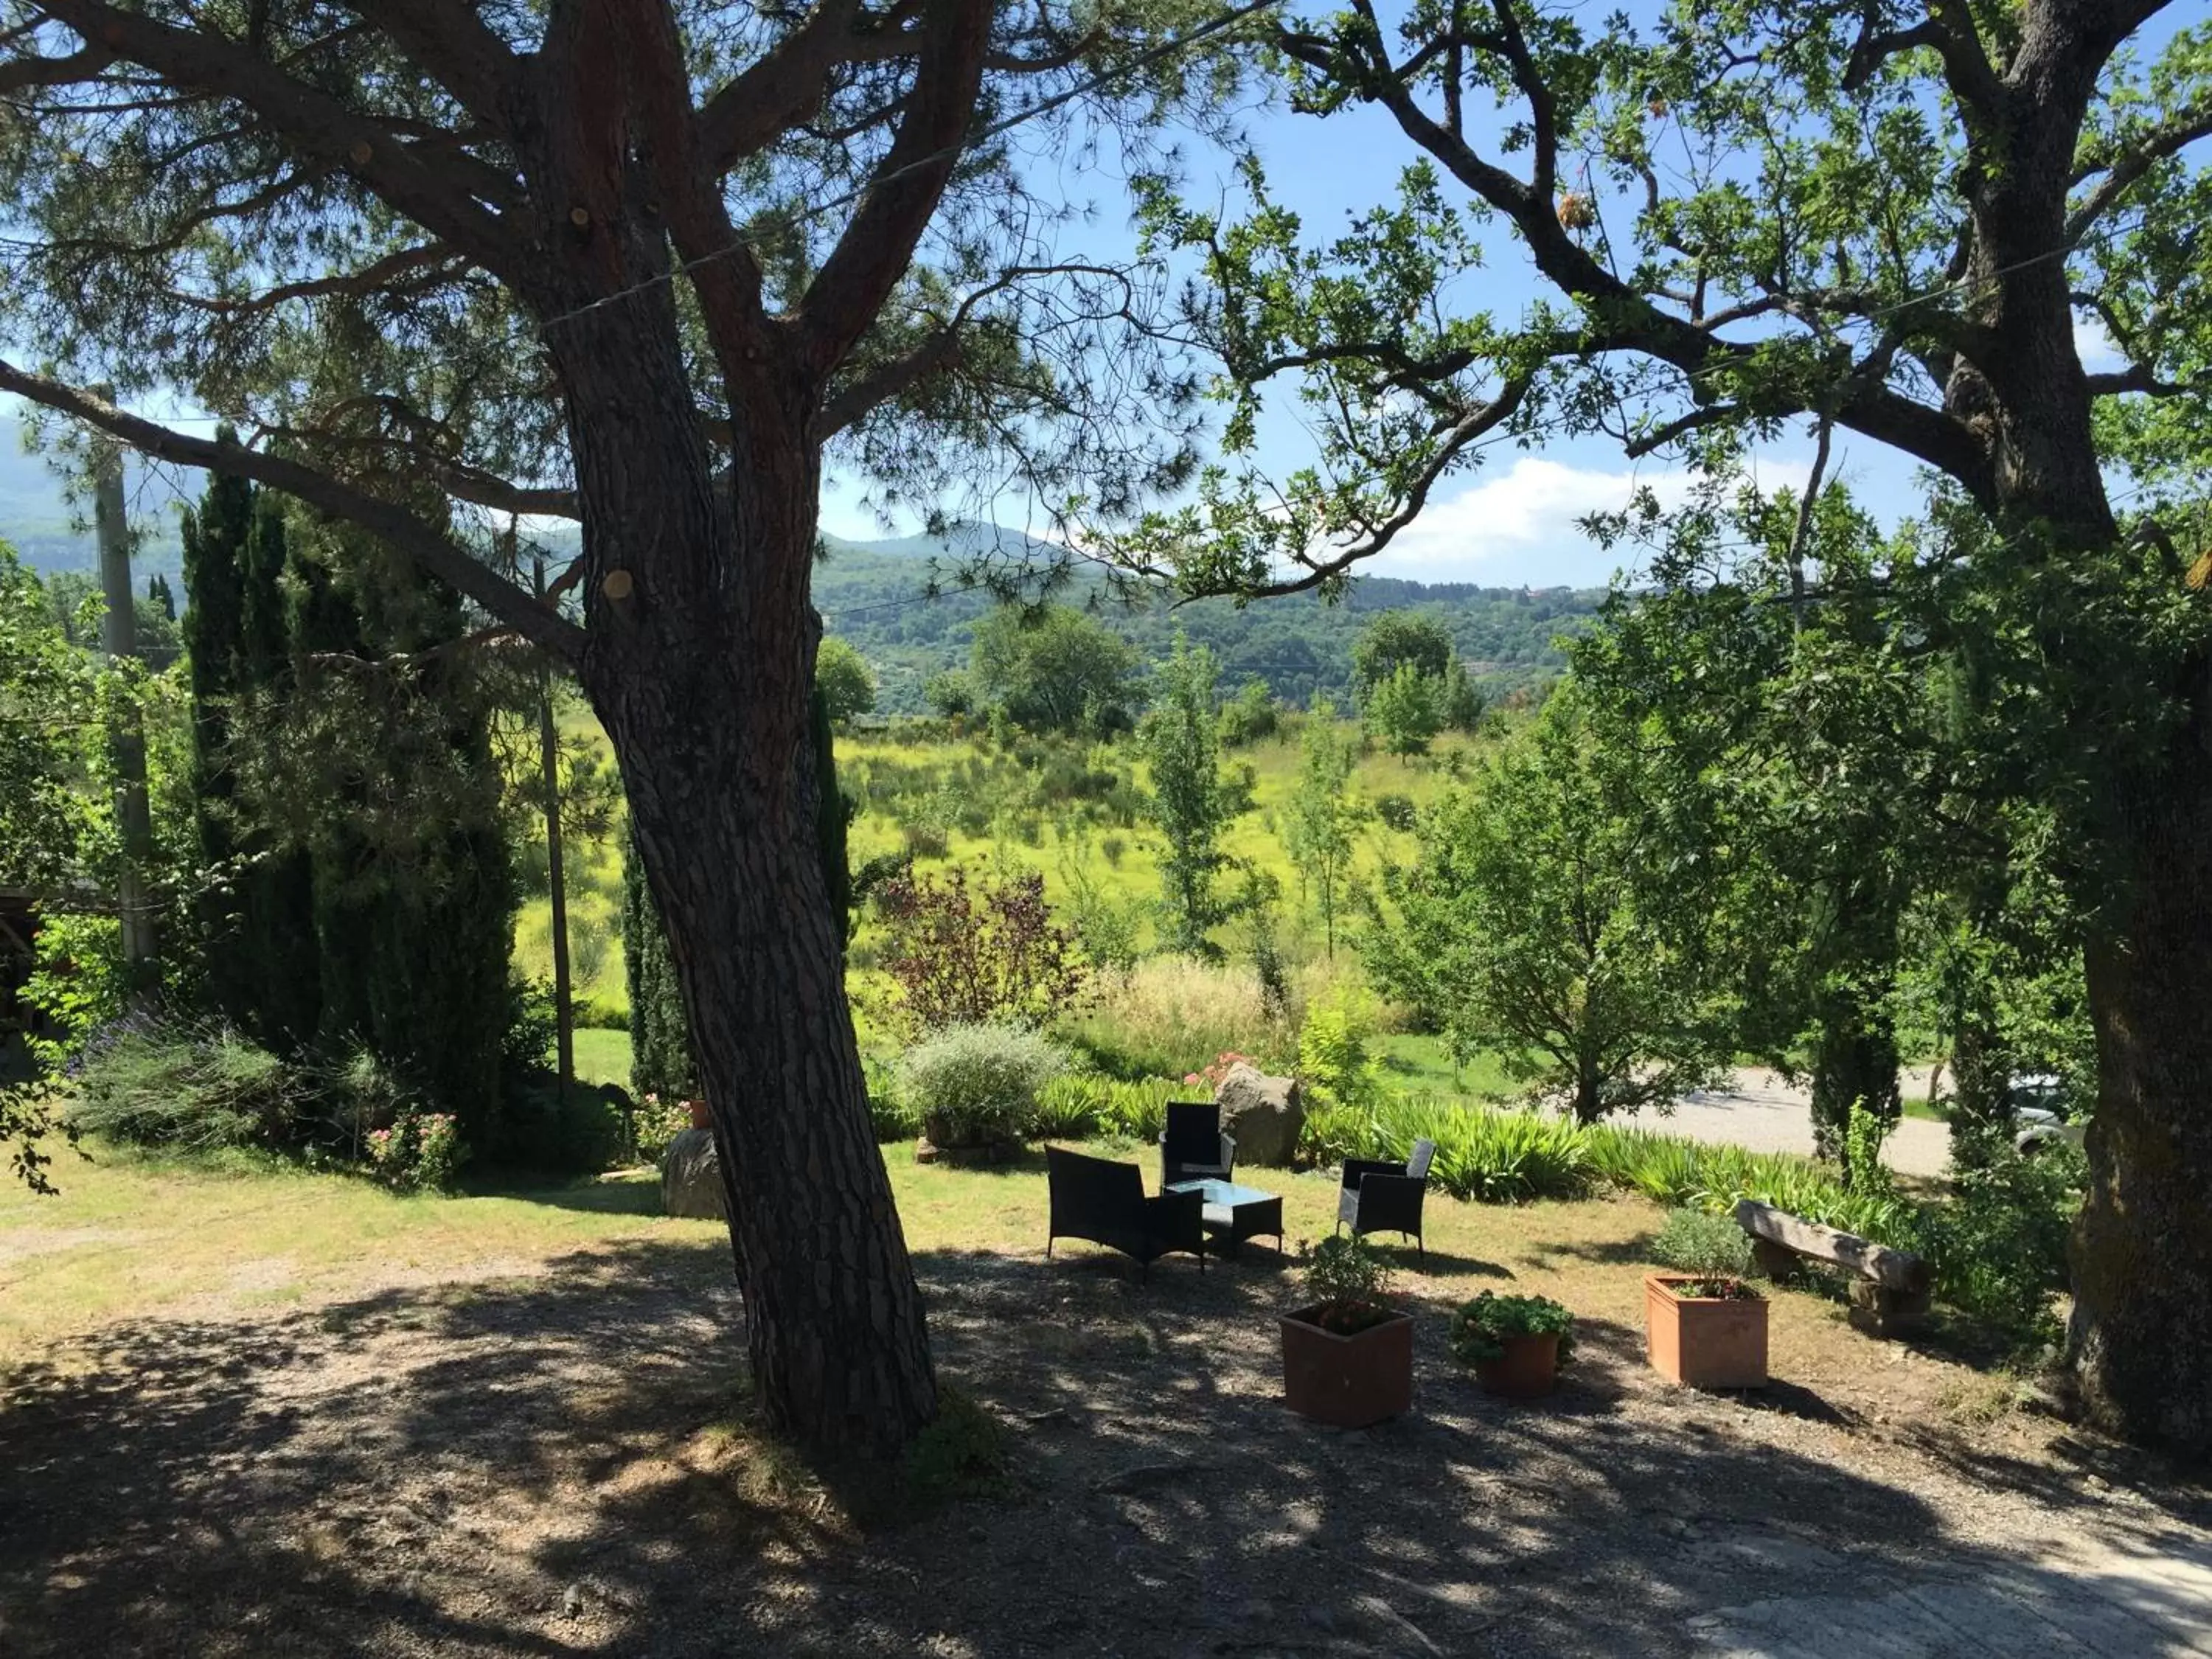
[1705, 1331]
[1348, 1355]
[1515, 1344]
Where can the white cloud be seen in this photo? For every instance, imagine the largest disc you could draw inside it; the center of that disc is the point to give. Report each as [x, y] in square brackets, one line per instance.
[1519, 526]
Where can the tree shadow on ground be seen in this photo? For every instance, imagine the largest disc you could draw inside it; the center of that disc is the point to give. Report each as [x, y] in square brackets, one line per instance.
[564, 1463]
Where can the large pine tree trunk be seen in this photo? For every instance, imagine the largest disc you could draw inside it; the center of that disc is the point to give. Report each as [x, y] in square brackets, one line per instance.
[840, 1354]
[699, 666]
[2143, 1256]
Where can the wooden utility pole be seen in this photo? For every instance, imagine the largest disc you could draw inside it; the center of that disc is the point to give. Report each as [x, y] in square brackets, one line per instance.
[118, 642]
[548, 754]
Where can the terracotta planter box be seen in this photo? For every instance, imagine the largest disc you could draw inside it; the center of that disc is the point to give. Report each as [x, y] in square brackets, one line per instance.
[1704, 1342]
[1348, 1381]
[1528, 1369]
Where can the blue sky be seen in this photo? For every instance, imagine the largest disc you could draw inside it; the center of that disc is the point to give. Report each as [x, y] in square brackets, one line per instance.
[1512, 519]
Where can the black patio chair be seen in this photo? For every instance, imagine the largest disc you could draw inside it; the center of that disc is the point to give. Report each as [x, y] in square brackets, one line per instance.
[1386, 1198]
[1194, 1147]
[1103, 1201]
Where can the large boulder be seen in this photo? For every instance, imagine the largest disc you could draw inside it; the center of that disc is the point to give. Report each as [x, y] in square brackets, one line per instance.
[692, 1177]
[1266, 1114]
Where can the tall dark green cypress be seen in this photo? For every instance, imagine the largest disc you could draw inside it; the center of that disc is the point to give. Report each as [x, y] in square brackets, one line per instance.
[280, 888]
[414, 929]
[327, 935]
[661, 1061]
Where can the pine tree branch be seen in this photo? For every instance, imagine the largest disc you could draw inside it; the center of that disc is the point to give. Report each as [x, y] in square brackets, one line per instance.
[444, 196]
[878, 242]
[437, 553]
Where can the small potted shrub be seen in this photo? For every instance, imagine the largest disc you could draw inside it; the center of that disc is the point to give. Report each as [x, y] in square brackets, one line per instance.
[1515, 1344]
[1348, 1355]
[1705, 1326]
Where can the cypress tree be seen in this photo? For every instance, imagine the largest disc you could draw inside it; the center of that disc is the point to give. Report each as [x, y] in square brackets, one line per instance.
[412, 897]
[661, 1061]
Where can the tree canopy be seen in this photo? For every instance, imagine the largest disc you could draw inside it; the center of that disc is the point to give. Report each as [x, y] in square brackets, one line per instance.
[1057, 670]
[1880, 221]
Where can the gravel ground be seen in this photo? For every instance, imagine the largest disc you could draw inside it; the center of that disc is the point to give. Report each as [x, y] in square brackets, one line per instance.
[558, 1464]
[1766, 1115]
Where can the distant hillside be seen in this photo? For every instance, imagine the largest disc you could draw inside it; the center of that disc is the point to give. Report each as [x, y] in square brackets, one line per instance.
[874, 594]
[38, 519]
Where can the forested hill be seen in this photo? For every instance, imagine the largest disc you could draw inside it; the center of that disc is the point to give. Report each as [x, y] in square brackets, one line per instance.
[875, 594]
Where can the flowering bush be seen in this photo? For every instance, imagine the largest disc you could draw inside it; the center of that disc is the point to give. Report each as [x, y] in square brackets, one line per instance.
[660, 1121]
[1210, 1076]
[421, 1152]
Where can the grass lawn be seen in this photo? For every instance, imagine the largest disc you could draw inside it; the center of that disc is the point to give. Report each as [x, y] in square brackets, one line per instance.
[602, 1056]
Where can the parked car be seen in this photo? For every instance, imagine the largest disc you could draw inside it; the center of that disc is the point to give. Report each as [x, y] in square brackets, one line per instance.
[2042, 1113]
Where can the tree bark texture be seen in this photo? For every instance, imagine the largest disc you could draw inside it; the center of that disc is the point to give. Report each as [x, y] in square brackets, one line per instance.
[2141, 1330]
[700, 666]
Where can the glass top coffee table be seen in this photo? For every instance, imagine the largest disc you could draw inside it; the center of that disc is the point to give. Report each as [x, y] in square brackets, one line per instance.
[1235, 1213]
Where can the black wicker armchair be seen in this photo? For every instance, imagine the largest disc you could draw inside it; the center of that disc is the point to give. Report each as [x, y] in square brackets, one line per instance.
[1103, 1201]
[1193, 1147]
[1386, 1198]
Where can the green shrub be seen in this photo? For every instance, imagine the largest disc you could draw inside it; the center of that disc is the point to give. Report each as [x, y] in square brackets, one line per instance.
[1483, 1154]
[1350, 1283]
[656, 1122]
[1333, 1053]
[972, 1084]
[1087, 1104]
[1480, 1327]
[1397, 811]
[538, 1129]
[358, 1093]
[420, 1153]
[195, 1089]
[1696, 1242]
[1069, 1108]
[1999, 1245]
[599, 1014]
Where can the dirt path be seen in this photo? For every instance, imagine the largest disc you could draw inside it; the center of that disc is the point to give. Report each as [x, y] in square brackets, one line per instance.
[556, 1464]
[1766, 1115]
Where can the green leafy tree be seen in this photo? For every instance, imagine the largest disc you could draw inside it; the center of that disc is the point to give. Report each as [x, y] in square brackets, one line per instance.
[1248, 716]
[847, 685]
[1191, 801]
[660, 1061]
[1877, 224]
[1526, 927]
[649, 266]
[1057, 670]
[950, 692]
[1403, 711]
[1321, 823]
[1394, 640]
[1460, 702]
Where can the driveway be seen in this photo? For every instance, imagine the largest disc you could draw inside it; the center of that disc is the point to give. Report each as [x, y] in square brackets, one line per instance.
[1762, 1112]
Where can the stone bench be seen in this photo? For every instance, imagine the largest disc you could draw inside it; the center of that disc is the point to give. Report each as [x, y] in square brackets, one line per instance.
[1890, 1289]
